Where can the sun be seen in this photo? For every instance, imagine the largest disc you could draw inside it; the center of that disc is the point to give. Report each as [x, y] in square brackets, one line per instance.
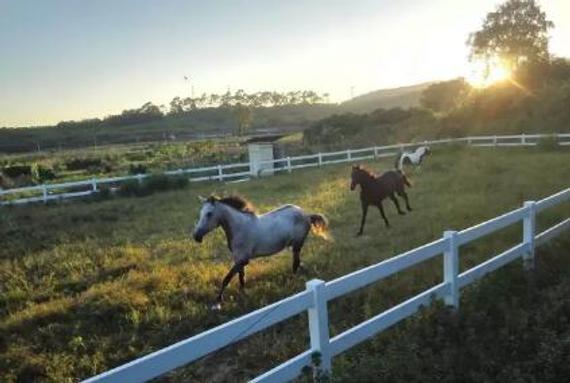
[483, 75]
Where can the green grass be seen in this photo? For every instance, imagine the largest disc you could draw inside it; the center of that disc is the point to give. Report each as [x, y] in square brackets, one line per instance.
[86, 286]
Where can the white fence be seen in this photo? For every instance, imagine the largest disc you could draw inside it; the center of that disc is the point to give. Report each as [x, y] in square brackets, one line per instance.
[318, 293]
[229, 172]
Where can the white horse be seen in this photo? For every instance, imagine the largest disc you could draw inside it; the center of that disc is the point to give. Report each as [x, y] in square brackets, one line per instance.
[412, 158]
[250, 235]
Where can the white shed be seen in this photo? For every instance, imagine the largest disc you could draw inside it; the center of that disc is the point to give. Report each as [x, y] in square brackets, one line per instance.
[262, 149]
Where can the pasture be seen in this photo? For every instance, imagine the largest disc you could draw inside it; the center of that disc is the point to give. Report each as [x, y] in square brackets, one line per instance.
[88, 285]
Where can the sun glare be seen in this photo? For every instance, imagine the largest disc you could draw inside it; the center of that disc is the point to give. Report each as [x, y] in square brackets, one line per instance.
[483, 76]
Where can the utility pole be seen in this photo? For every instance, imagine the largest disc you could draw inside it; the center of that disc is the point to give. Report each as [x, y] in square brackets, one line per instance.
[191, 86]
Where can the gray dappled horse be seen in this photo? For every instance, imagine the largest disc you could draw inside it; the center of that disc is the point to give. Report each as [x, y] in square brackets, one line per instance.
[250, 235]
[414, 158]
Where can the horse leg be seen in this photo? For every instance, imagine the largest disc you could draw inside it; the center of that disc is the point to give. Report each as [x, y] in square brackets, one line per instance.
[297, 246]
[381, 208]
[236, 268]
[297, 257]
[242, 277]
[404, 195]
[393, 198]
[363, 220]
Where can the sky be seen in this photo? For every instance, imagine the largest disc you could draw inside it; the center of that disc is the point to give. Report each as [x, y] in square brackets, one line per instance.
[75, 59]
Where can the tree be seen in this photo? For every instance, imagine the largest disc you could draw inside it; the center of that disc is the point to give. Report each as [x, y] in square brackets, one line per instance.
[445, 96]
[517, 32]
[243, 115]
[176, 106]
[146, 113]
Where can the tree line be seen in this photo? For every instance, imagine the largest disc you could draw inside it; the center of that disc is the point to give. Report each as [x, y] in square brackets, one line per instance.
[240, 102]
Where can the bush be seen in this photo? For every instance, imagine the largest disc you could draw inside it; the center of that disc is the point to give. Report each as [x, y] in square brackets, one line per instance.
[104, 193]
[41, 173]
[548, 143]
[151, 184]
[137, 169]
[15, 171]
[163, 182]
[133, 188]
[83, 163]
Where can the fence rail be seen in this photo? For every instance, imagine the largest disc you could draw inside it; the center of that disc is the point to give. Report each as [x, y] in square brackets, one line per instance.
[49, 192]
[315, 298]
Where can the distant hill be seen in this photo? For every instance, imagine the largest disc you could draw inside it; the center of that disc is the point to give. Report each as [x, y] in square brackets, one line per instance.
[403, 97]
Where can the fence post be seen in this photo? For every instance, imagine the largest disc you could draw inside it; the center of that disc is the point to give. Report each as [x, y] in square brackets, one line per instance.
[523, 139]
[375, 152]
[320, 156]
[348, 155]
[140, 178]
[319, 323]
[45, 193]
[94, 185]
[451, 268]
[494, 140]
[469, 141]
[529, 224]
[220, 173]
[289, 164]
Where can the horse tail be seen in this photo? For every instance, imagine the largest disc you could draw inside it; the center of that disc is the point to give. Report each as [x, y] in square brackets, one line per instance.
[405, 179]
[320, 226]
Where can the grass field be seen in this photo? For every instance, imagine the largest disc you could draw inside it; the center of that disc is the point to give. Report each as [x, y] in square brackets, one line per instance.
[86, 286]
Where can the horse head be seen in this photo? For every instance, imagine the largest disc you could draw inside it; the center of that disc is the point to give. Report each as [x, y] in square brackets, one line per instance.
[209, 219]
[357, 176]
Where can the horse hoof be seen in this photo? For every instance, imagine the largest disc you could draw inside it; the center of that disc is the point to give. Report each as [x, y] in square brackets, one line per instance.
[358, 234]
[216, 306]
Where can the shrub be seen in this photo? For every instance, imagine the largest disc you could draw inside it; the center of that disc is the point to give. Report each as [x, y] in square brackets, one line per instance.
[164, 182]
[103, 194]
[137, 169]
[41, 173]
[134, 188]
[15, 171]
[83, 163]
[151, 184]
[548, 143]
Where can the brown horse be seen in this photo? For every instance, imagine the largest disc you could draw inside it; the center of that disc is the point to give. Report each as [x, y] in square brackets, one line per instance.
[373, 189]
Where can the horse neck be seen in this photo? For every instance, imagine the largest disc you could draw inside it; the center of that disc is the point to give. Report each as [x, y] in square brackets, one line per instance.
[232, 220]
[367, 180]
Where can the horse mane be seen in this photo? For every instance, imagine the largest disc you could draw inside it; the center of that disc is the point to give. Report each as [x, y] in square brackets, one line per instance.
[364, 170]
[236, 202]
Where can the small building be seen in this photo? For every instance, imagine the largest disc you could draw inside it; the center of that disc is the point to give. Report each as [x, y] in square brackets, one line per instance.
[262, 150]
